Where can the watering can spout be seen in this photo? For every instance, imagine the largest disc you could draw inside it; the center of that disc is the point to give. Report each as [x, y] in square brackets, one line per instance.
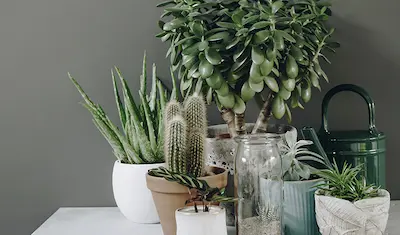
[309, 133]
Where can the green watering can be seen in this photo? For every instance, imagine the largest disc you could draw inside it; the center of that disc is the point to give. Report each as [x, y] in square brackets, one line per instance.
[366, 147]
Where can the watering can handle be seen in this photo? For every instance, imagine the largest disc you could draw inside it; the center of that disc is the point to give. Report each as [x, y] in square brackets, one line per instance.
[349, 87]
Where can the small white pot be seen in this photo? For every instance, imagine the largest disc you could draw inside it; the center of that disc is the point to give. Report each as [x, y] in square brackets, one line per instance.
[211, 223]
[131, 194]
[340, 217]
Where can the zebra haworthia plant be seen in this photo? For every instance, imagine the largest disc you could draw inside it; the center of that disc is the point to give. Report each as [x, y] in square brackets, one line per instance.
[185, 133]
[237, 50]
[142, 135]
[203, 193]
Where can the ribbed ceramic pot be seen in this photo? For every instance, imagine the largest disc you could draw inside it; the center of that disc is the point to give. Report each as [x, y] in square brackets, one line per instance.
[299, 207]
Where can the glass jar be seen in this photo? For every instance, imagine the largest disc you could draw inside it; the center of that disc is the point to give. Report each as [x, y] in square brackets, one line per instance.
[258, 185]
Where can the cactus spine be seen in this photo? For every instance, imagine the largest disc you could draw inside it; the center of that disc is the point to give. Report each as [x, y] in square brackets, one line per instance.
[185, 137]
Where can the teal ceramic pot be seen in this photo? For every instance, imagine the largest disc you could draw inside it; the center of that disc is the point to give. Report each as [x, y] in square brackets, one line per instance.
[299, 207]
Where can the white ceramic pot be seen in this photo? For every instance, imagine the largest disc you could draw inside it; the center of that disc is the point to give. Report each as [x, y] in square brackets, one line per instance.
[131, 194]
[364, 217]
[201, 223]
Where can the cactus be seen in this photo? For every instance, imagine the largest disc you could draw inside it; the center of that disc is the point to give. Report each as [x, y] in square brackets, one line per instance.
[195, 113]
[172, 109]
[175, 143]
[195, 153]
[184, 144]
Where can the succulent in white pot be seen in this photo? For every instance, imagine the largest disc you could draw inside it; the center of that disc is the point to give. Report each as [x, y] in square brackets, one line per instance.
[137, 145]
[300, 183]
[345, 204]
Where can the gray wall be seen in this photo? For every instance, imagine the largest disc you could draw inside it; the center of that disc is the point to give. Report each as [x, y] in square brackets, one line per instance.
[52, 156]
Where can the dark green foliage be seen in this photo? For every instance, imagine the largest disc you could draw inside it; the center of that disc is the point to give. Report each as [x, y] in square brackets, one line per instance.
[243, 48]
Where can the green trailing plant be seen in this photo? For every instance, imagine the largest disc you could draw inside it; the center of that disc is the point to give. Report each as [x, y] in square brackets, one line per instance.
[344, 184]
[296, 158]
[185, 133]
[142, 132]
[238, 50]
[203, 192]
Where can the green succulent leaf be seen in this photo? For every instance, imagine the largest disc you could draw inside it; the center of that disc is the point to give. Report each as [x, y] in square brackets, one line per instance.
[246, 92]
[223, 36]
[257, 55]
[292, 68]
[278, 107]
[257, 87]
[213, 56]
[227, 101]
[261, 36]
[271, 83]
[206, 69]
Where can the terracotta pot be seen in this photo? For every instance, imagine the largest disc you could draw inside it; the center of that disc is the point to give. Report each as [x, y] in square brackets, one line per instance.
[170, 196]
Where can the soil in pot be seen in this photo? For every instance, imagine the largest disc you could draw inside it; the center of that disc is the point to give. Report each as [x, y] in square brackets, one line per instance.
[169, 196]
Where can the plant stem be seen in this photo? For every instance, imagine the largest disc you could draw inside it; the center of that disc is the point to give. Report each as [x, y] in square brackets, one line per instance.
[229, 117]
[240, 124]
[264, 116]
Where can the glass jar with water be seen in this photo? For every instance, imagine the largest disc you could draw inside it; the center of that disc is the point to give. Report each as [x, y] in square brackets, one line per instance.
[258, 185]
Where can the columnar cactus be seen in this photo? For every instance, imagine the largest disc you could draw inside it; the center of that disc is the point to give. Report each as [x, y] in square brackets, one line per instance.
[175, 142]
[185, 151]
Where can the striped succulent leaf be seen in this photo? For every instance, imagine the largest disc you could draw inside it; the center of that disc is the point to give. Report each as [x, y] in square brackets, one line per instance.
[204, 190]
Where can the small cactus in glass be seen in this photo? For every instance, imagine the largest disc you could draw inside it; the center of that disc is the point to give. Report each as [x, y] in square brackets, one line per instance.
[185, 133]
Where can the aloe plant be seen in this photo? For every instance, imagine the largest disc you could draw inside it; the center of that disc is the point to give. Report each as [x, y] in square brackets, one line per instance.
[140, 139]
[295, 156]
[235, 51]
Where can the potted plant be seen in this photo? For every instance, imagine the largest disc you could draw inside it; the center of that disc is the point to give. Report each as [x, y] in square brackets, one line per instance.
[209, 218]
[184, 150]
[238, 51]
[345, 204]
[300, 181]
[136, 145]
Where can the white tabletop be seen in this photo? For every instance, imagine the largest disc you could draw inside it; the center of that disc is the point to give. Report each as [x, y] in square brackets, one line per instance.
[109, 221]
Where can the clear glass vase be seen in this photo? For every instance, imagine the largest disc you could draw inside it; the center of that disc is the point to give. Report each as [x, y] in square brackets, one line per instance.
[258, 185]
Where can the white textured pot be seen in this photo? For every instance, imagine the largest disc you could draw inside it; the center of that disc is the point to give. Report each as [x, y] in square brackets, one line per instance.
[364, 217]
[201, 223]
[131, 194]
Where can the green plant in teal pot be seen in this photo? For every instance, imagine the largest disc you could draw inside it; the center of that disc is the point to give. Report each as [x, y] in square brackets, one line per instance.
[235, 51]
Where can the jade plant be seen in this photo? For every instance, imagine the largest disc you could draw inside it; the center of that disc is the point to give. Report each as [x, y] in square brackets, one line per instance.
[140, 139]
[185, 133]
[345, 184]
[234, 51]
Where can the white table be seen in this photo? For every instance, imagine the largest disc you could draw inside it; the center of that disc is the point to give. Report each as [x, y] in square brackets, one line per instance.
[109, 221]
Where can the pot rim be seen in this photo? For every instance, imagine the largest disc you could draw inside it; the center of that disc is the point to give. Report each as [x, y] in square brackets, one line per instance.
[302, 181]
[214, 210]
[248, 125]
[146, 165]
[386, 194]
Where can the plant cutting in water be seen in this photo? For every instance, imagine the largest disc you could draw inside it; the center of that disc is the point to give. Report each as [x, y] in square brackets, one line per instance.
[198, 189]
[296, 156]
[142, 135]
[234, 51]
[344, 183]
